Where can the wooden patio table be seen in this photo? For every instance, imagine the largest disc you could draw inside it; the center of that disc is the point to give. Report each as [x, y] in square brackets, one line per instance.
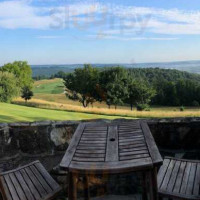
[112, 148]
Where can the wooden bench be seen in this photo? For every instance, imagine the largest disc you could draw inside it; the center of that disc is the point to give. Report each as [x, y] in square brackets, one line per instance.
[30, 182]
[179, 179]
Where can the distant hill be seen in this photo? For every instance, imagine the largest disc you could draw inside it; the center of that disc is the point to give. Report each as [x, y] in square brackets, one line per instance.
[48, 70]
[159, 74]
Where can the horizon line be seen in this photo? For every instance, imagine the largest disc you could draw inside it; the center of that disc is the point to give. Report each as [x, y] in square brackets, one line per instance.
[121, 63]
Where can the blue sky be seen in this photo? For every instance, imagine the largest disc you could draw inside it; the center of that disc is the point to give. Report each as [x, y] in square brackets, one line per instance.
[106, 31]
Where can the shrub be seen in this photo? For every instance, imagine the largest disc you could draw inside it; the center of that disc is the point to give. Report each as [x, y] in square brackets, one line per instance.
[182, 108]
[142, 107]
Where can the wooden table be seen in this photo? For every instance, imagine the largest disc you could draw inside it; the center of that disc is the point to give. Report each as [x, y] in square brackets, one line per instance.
[112, 148]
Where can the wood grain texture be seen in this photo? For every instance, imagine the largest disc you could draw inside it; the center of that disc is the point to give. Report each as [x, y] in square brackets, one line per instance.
[111, 148]
[107, 144]
[153, 149]
[30, 182]
[179, 179]
[112, 145]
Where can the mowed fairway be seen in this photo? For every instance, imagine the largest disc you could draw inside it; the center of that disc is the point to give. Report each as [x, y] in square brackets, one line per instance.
[52, 86]
[17, 113]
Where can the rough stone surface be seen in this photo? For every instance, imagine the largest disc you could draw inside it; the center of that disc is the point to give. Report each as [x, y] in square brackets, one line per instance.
[50, 136]
[35, 138]
[177, 135]
[61, 137]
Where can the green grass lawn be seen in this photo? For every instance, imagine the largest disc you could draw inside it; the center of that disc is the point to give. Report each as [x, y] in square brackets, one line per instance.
[16, 113]
[53, 86]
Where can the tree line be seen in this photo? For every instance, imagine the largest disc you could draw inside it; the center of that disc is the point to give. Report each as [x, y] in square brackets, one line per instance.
[135, 87]
[139, 87]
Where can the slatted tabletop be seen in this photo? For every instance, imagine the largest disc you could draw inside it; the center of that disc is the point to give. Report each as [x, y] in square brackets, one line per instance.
[111, 147]
[179, 178]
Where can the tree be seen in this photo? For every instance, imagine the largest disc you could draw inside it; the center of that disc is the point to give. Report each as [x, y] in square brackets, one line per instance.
[113, 83]
[22, 72]
[81, 85]
[26, 93]
[139, 93]
[116, 92]
[8, 87]
[132, 98]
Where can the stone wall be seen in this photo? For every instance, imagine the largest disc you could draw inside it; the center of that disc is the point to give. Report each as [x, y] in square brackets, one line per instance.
[35, 138]
[50, 136]
[179, 133]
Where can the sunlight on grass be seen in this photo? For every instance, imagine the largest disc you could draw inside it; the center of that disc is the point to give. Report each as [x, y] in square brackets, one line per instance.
[52, 86]
[154, 113]
[17, 113]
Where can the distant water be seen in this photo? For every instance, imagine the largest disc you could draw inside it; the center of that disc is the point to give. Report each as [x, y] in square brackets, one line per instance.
[189, 66]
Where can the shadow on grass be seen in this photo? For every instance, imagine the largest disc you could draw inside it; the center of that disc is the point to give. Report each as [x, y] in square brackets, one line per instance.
[7, 119]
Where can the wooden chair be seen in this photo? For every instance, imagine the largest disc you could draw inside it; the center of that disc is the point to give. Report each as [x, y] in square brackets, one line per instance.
[30, 182]
[179, 179]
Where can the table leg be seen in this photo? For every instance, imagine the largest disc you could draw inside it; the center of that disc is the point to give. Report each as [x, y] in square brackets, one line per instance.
[72, 188]
[153, 184]
[144, 186]
[86, 187]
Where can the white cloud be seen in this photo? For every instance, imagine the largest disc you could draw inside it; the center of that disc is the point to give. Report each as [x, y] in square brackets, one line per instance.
[109, 19]
[10, 9]
[20, 14]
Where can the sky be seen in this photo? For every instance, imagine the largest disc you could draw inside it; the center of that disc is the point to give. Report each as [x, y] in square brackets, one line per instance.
[106, 31]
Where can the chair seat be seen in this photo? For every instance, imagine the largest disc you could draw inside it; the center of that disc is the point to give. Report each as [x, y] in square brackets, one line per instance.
[30, 182]
[179, 178]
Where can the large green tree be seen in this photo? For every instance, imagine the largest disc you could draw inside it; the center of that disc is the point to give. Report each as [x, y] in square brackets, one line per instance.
[22, 72]
[81, 85]
[139, 93]
[8, 87]
[113, 83]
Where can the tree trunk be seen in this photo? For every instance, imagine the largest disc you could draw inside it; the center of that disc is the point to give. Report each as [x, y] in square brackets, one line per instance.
[84, 103]
[131, 106]
[115, 107]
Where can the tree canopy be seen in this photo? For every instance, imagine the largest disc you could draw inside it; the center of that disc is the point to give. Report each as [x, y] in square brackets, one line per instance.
[8, 87]
[81, 85]
[15, 78]
[113, 84]
[22, 72]
[26, 93]
[119, 86]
